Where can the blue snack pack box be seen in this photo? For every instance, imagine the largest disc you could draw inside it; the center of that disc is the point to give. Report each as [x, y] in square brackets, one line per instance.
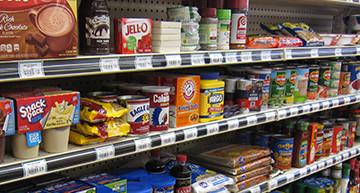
[105, 182]
[73, 185]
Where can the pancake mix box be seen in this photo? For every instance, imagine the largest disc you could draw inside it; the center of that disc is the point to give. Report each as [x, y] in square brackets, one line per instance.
[38, 29]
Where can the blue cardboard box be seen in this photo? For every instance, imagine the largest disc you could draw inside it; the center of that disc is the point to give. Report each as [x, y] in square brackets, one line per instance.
[105, 183]
[73, 186]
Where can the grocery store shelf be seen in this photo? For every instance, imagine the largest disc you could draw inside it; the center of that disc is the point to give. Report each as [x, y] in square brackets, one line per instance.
[15, 169]
[294, 174]
[96, 65]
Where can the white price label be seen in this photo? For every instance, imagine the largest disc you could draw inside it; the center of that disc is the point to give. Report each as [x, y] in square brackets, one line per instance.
[338, 158]
[294, 111]
[306, 108]
[357, 97]
[212, 128]
[313, 168]
[288, 54]
[255, 189]
[289, 177]
[190, 133]
[265, 55]
[357, 50]
[168, 138]
[353, 152]
[105, 152]
[346, 155]
[173, 60]
[251, 120]
[34, 167]
[143, 62]
[303, 172]
[326, 104]
[314, 52]
[315, 106]
[109, 64]
[216, 58]
[338, 52]
[335, 102]
[31, 69]
[197, 59]
[347, 100]
[270, 116]
[273, 184]
[246, 57]
[321, 165]
[142, 144]
[233, 124]
[329, 162]
[282, 113]
[230, 57]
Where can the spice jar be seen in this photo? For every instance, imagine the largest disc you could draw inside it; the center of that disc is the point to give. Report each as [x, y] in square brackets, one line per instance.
[319, 142]
[208, 29]
[223, 29]
[239, 11]
[327, 143]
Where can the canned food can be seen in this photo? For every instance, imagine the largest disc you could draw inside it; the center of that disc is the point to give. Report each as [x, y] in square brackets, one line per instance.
[265, 76]
[290, 85]
[302, 78]
[262, 138]
[130, 88]
[230, 91]
[324, 82]
[351, 133]
[277, 87]
[344, 83]
[354, 69]
[159, 106]
[243, 89]
[282, 147]
[344, 122]
[333, 92]
[108, 97]
[336, 139]
[335, 66]
[312, 82]
[138, 114]
[327, 143]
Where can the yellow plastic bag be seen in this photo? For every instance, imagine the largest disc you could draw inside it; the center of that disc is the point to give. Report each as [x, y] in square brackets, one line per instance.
[82, 139]
[110, 128]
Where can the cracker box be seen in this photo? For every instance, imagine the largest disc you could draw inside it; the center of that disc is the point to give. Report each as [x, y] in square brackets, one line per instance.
[72, 186]
[7, 116]
[184, 99]
[38, 29]
[105, 183]
[132, 35]
[46, 110]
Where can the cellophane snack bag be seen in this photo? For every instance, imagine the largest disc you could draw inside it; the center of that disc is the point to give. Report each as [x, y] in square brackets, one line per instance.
[301, 30]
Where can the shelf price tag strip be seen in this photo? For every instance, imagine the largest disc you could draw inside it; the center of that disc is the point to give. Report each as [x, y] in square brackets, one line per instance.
[270, 116]
[197, 59]
[288, 54]
[216, 58]
[255, 189]
[109, 64]
[321, 165]
[306, 108]
[265, 55]
[353, 152]
[190, 133]
[105, 152]
[143, 62]
[31, 69]
[326, 104]
[313, 168]
[173, 60]
[168, 138]
[273, 184]
[142, 144]
[34, 168]
[251, 120]
[281, 113]
[329, 162]
[314, 53]
[335, 102]
[212, 128]
[294, 111]
[338, 52]
[246, 56]
[230, 57]
[233, 124]
[347, 100]
[315, 106]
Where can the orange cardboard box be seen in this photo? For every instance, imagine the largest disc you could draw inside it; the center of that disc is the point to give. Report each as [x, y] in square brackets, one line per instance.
[184, 99]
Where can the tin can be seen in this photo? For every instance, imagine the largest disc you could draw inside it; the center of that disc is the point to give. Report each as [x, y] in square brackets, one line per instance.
[290, 85]
[138, 115]
[302, 78]
[327, 143]
[108, 97]
[159, 106]
[336, 139]
[354, 69]
[262, 138]
[277, 87]
[249, 94]
[265, 76]
[282, 147]
[130, 88]
[312, 82]
[243, 89]
[351, 133]
[344, 83]
[324, 82]
[344, 122]
[230, 91]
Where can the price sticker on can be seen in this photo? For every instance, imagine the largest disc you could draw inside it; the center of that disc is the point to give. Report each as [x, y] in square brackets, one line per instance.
[338, 52]
[326, 104]
[315, 106]
[270, 116]
[251, 120]
[282, 113]
[173, 60]
[34, 168]
[347, 100]
[321, 165]
[230, 57]
[233, 124]
[142, 144]
[294, 111]
[143, 62]
[109, 64]
[105, 152]
[288, 54]
[255, 189]
[212, 128]
[314, 52]
[168, 138]
[190, 133]
[31, 69]
[335, 102]
[246, 56]
[273, 184]
[329, 162]
[306, 108]
[216, 58]
[265, 55]
[197, 59]
[313, 168]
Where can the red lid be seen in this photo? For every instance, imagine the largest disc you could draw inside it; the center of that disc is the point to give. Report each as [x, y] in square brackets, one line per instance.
[181, 158]
[156, 153]
[219, 4]
[242, 4]
[352, 164]
[208, 12]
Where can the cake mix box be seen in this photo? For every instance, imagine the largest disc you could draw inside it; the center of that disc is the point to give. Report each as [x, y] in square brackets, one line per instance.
[132, 35]
[38, 29]
[184, 99]
[72, 186]
[7, 117]
[105, 183]
[46, 110]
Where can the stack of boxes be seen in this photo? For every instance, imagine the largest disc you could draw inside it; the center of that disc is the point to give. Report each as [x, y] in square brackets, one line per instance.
[166, 37]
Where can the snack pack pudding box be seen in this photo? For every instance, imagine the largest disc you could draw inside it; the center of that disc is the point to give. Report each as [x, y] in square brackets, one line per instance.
[105, 183]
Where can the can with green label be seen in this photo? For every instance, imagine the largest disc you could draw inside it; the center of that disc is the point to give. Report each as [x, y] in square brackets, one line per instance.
[324, 82]
[335, 77]
[302, 78]
[277, 87]
[312, 82]
[290, 85]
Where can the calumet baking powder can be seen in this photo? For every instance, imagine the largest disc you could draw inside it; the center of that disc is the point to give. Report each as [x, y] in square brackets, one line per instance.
[138, 115]
[159, 106]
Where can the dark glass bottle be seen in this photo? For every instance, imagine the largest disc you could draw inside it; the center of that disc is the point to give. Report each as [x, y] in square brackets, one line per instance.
[352, 183]
[94, 27]
[155, 165]
[182, 173]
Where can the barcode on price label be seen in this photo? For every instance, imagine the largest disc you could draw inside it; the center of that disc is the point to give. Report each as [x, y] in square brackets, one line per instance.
[173, 60]
[282, 113]
[335, 102]
[216, 58]
[306, 108]
[326, 104]
[273, 184]
[303, 172]
[353, 152]
[265, 55]
[338, 158]
[105, 152]
[347, 100]
[230, 57]
[255, 189]
[212, 128]
[246, 56]
[34, 168]
[233, 124]
[30, 69]
[290, 177]
[197, 59]
[288, 54]
[313, 168]
[251, 120]
[314, 52]
[337, 51]
[168, 138]
[109, 64]
[357, 50]
[294, 111]
[142, 144]
[190, 133]
[315, 106]
[270, 116]
[346, 155]
[357, 97]
[321, 165]
[329, 162]
[143, 62]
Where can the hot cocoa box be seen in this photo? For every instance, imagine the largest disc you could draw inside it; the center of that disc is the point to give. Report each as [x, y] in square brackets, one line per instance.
[38, 29]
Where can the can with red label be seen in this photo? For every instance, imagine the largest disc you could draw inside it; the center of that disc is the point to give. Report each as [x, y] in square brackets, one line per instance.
[108, 97]
[290, 85]
[243, 89]
[312, 82]
[336, 140]
[344, 136]
[138, 114]
[159, 106]
[265, 76]
[324, 82]
[344, 83]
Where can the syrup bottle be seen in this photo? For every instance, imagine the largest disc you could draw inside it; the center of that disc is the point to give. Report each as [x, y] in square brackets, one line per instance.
[182, 173]
[155, 165]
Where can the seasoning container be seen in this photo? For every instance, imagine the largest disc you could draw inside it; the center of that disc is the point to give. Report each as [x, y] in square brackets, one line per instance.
[300, 145]
[327, 144]
[312, 128]
[290, 85]
[239, 11]
[282, 146]
[344, 83]
[208, 29]
[312, 82]
[138, 187]
[319, 142]
[159, 182]
[223, 28]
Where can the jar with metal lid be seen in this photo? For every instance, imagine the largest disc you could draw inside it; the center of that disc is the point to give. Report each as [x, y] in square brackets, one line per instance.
[208, 29]
[223, 29]
[239, 12]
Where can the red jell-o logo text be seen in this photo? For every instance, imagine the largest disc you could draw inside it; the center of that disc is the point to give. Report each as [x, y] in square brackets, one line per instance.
[32, 110]
[136, 28]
